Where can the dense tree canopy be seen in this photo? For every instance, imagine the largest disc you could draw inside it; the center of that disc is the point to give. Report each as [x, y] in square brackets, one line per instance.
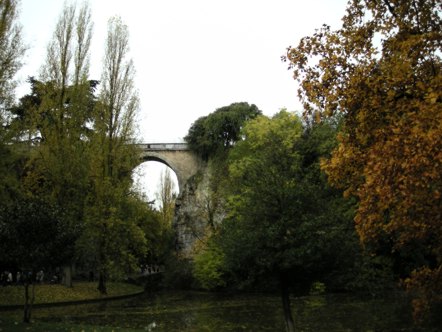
[53, 119]
[284, 222]
[67, 156]
[66, 190]
[33, 243]
[34, 237]
[280, 199]
[219, 130]
[383, 72]
[71, 150]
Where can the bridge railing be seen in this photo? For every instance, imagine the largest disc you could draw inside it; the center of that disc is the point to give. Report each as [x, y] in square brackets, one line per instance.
[163, 146]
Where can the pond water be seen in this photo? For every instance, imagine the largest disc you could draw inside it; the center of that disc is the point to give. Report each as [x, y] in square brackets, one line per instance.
[200, 311]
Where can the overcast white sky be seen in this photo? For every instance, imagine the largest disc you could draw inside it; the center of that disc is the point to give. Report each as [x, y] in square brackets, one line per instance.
[194, 56]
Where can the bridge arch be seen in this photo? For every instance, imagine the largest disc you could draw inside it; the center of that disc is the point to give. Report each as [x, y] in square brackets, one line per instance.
[177, 156]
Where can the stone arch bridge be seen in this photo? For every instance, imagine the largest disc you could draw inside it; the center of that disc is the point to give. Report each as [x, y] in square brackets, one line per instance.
[177, 156]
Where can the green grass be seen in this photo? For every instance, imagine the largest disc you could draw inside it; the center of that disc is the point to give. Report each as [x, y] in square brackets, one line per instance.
[14, 295]
[9, 325]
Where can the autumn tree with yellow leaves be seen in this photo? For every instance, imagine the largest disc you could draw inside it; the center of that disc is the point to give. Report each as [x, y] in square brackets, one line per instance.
[382, 72]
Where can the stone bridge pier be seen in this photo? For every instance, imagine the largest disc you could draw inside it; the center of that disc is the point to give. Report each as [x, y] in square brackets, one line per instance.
[177, 156]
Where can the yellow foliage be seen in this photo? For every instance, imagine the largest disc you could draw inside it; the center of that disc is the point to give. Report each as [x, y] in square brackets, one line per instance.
[389, 91]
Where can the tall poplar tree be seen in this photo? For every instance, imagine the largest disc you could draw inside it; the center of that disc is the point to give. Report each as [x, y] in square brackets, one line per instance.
[12, 50]
[166, 195]
[114, 240]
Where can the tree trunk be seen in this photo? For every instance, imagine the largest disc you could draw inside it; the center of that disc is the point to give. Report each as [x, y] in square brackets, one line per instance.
[102, 283]
[29, 301]
[67, 275]
[285, 296]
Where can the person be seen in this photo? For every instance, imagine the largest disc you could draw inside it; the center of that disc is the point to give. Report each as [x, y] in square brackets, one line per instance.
[40, 276]
[9, 278]
[54, 279]
[18, 278]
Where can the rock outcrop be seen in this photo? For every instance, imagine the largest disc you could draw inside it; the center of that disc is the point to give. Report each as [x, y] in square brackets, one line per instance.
[196, 209]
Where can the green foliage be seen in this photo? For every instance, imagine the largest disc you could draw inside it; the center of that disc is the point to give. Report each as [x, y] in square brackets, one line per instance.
[166, 196]
[58, 160]
[33, 235]
[178, 273]
[317, 288]
[159, 236]
[374, 275]
[209, 266]
[11, 55]
[80, 158]
[37, 117]
[283, 217]
[52, 121]
[114, 238]
[262, 169]
[66, 157]
[213, 134]
[12, 162]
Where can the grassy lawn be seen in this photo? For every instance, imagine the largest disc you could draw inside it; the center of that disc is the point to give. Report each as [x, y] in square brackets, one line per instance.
[14, 295]
[8, 325]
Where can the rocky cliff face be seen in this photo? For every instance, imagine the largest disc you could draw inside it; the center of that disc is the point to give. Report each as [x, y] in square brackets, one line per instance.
[196, 209]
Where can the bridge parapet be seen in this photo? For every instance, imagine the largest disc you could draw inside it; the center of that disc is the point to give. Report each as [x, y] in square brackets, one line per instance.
[164, 146]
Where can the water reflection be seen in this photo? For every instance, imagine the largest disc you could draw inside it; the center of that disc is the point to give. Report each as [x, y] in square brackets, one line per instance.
[199, 311]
